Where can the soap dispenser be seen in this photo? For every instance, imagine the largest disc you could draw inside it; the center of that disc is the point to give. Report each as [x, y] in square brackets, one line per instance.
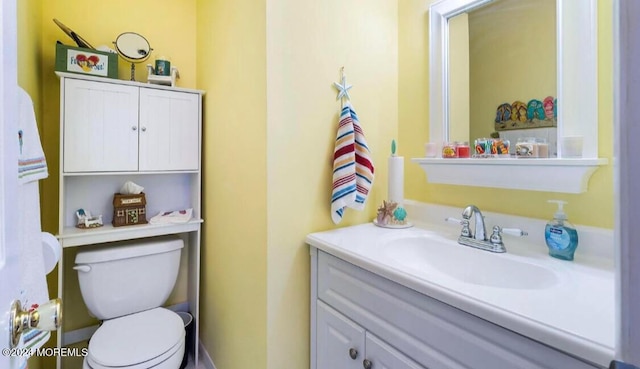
[560, 235]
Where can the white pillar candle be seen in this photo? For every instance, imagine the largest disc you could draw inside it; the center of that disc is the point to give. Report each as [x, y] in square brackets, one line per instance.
[396, 180]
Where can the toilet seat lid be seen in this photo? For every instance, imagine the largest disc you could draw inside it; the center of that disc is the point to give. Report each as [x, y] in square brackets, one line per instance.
[136, 338]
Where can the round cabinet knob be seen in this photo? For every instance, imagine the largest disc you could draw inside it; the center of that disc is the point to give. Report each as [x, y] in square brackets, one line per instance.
[353, 353]
[134, 128]
[367, 364]
[144, 129]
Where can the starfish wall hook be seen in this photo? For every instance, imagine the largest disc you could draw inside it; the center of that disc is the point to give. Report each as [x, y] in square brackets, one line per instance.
[343, 87]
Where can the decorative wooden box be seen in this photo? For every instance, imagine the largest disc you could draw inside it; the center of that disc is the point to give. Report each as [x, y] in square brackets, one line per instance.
[86, 61]
[129, 209]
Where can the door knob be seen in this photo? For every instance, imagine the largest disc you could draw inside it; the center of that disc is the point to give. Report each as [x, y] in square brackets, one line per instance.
[46, 317]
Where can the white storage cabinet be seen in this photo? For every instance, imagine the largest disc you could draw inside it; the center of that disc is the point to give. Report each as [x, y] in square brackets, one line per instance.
[111, 127]
[113, 131]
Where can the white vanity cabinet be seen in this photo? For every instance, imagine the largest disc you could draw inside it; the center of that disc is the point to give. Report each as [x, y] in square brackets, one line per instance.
[110, 127]
[402, 328]
[341, 343]
[113, 131]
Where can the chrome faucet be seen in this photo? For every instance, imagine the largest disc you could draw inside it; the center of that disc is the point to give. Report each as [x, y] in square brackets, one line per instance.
[481, 230]
[478, 239]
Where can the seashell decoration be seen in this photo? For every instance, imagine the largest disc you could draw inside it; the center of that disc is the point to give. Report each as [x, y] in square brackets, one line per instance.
[385, 212]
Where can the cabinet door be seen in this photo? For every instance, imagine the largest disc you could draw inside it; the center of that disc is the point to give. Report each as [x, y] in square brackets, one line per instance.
[340, 342]
[382, 356]
[100, 123]
[169, 130]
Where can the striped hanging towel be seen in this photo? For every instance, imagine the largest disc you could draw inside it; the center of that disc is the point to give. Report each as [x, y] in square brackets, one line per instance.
[352, 166]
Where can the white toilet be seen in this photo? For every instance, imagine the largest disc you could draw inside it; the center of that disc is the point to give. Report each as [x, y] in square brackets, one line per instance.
[124, 284]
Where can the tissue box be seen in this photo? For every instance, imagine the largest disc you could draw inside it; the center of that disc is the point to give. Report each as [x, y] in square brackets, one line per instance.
[86, 61]
[129, 209]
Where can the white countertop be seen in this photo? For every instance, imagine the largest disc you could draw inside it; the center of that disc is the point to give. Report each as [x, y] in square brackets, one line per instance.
[575, 314]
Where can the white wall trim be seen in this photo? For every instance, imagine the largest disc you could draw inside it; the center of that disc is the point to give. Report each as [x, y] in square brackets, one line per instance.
[627, 176]
[205, 358]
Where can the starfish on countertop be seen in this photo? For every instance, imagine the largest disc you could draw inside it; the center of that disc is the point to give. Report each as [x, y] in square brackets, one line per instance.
[385, 212]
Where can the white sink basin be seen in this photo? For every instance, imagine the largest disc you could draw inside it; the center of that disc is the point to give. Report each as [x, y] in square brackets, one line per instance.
[466, 264]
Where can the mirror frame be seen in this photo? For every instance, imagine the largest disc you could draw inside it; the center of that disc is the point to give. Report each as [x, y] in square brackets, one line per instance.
[124, 53]
[577, 55]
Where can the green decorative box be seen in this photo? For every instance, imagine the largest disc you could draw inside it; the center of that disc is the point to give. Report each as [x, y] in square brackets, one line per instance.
[86, 61]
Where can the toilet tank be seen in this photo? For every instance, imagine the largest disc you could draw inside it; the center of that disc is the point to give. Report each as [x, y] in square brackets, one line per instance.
[122, 278]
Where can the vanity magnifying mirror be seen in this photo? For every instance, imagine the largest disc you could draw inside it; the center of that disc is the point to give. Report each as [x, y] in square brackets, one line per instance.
[577, 108]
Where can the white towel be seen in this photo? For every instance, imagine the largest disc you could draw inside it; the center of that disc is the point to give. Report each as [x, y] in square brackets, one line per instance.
[166, 217]
[31, 167]
[31, 162]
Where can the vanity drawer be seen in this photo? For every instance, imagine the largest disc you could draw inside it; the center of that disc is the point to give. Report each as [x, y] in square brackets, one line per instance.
[432, 333]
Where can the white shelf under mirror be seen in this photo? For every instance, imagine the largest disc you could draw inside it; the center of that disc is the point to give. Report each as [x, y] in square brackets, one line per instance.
[553, 175]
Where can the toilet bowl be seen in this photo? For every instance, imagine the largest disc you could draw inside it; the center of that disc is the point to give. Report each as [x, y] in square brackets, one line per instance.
[124, 285]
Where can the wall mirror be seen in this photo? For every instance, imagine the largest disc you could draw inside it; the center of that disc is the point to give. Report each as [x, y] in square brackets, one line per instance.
[503, 52]
[562, 55]
[574, 80]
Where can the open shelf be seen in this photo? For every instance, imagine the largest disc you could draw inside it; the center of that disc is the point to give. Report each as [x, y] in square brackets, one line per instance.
[73, 236]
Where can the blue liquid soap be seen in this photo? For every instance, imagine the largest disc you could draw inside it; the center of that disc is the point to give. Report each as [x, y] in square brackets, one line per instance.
[560, 235]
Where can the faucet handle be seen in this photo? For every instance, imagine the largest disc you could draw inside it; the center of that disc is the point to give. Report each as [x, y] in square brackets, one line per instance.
[496, 236]
[466, 231]
[453, 220]
[514, 232]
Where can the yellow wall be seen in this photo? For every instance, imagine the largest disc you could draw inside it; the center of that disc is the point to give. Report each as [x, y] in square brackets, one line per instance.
[231, 68]
[592, 208]
[29, 31]
[413, 93]
[276, 94]
[307, 44]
